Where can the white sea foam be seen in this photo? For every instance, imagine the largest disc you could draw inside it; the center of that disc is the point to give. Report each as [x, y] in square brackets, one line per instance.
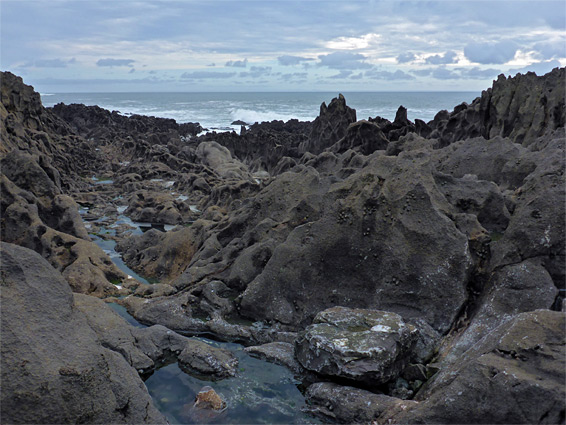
[251, 116]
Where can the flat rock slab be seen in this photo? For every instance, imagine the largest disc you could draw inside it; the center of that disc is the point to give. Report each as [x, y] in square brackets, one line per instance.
[368, 346]
[345, 404]
[282, 353]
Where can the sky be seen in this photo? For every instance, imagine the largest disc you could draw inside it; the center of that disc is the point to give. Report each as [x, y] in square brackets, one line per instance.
[150, 46]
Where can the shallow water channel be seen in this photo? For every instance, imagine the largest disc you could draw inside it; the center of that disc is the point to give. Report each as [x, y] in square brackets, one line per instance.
[262, 392]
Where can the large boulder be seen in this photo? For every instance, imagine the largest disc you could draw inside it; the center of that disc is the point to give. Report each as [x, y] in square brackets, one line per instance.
[367, 346]
[380, 239]
[54, 369]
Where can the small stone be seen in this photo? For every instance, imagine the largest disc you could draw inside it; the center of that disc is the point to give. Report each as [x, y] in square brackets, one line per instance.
[207, 398]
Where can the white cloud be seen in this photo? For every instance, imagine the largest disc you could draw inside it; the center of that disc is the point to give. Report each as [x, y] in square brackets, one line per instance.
[353, 43]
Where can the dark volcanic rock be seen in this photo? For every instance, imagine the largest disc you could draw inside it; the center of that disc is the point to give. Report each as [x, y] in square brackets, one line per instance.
[349, 405]
[330, 126]
[522, 108]
[54, 369]
[515, 374]
[367, 346]
[378, 239]
[362, 136]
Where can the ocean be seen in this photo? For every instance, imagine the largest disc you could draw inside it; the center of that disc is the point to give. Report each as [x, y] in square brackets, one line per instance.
[216, 111]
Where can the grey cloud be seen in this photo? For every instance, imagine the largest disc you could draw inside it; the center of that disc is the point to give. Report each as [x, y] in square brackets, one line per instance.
[551, 49]
[211, 64]
[132, 71]
[115, 62]
[406, 57]
[344, 60]
[448, 57]
[422, 72]
[294, 76]
[201, 75]
[478, 73]
[491, 53]
[439, 73]
[257, 71]
[377, 74]
[342, 74]
[444, 74]
[288, 60]
[237, 64]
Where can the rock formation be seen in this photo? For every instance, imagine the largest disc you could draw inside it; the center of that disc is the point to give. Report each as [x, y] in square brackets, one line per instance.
[418, 267]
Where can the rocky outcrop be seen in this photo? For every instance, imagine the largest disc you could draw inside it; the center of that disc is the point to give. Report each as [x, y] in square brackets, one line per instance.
[261, 146]
[330, 126]
[54, 369]
[93, 121]
[522, 108]
[48, 222]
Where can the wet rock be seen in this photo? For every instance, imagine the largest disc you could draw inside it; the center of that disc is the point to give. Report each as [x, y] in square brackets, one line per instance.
[343, 404]
[143, 348]
[367, 346]
[204, 360]
[54, 368]
[520, 363]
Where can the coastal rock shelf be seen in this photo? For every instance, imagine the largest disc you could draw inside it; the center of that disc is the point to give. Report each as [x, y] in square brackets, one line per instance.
[386, 271]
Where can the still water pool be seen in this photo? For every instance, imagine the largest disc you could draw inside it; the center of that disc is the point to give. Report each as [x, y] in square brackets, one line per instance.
[260, 393]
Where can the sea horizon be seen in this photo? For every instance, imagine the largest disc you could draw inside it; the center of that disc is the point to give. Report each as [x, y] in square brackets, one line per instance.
[218, 110]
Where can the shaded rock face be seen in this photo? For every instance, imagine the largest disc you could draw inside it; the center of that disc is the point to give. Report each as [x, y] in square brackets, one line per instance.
[27, 126]
[367, 346]
[330, 126]
[514, 375]
[54, 369]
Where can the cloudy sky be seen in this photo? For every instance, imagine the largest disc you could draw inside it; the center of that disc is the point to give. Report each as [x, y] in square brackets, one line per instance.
[263, 45]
